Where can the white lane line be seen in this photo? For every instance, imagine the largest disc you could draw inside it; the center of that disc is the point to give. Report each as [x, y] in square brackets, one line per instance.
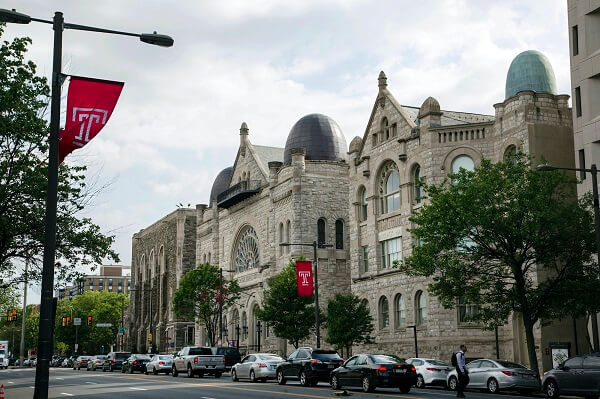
[66, 394]
[58, 378]
[138, 389]
[11, 382]
[32, 387]
[90, 382]
[206, 397]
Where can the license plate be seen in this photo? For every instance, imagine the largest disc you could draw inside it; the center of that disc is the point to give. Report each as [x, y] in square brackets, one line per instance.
[331, 366]
[400, 371]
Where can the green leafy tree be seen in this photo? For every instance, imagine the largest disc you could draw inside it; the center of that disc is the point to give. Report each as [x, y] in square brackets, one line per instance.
[349, 322]
[508, 238]
[23, 180]
[197, 297]
[291, 317]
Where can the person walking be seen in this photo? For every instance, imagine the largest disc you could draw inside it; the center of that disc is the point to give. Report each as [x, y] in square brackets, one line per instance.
[461, 370]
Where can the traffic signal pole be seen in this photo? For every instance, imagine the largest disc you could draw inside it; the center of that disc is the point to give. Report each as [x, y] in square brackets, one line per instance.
[22, 344]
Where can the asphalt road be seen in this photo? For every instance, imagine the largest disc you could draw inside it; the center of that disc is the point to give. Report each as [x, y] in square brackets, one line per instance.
[66, 383]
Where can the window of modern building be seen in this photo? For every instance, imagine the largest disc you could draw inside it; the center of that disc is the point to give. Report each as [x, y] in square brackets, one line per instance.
[339, 234]
[400, 308]
[417, 184]
[128, 285]
[91, 284]
[391, 192]
[364, 205]
[321, 231]
[575, 38]
[582, 164]
[110, 284]
[281, 238]
[365, 258]
[101, 284]
[578, 101]
[384, 313]
[421, 308]
[385, 129]
[288, 235]
[462, 162]
[391, 250]
[466, 311]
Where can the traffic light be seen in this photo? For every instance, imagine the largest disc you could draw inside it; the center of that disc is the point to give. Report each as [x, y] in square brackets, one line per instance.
[89, 321]
[68, 320]
[11, 315]
[150, 337]
[64, 322]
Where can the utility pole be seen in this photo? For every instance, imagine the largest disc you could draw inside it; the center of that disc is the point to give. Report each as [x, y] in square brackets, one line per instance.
[22, 344]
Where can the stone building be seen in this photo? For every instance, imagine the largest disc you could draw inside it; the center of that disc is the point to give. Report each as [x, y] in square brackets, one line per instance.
[358, 199]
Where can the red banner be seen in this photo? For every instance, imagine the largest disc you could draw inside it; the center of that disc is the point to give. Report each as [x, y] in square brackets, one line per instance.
[90, 104]
[304, 278]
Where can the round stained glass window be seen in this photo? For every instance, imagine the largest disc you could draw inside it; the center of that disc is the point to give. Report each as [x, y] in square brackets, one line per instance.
[246, 250]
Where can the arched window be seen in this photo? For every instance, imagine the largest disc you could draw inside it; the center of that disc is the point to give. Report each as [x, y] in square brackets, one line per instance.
[364, 205]
[385, 129]
[225, 327]
[281, 238]
[400, 308]
[510, 153]
[235, 324]
[390, 189]
[204, 258]
[417, 184]
[244, 325]
[208, 259]
[288, 235]
[321, 233]
[246, 255]
[339, 234]
[421, 308]
[462, 162]
[384, 312]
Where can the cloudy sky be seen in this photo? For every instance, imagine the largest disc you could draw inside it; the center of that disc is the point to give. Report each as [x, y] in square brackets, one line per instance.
[268, 63]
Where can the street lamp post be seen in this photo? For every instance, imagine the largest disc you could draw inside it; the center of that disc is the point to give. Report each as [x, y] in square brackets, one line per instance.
[414, 328]
[46, 317]
[314, 245]
[594, 172]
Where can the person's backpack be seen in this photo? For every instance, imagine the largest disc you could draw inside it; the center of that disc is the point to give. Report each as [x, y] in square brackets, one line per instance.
[453, 360]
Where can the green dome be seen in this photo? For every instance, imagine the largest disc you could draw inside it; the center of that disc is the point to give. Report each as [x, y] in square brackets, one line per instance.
[530, 70]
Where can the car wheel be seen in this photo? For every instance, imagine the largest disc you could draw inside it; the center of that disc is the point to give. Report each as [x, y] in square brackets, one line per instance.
[452, 383]
[303, 380]
[155, 371]
[492, 386]
[190, 372]
[174, 371]
[335, 383]
[218, 374]
[103, 369]
[280, 378]
[367, 384]
[551, 389]
[405, 388]
[420, 382]
[131, 370]
[201, 374]
[252, 376]
[146, 371]
[234, 376]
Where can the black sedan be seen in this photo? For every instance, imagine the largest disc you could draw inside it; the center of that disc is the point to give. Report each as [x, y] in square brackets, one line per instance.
[308, 366]
[135, 363]
[371, 371]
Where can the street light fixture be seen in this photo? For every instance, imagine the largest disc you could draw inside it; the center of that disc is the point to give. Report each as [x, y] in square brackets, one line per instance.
[46, 317]
[314, 245]
[594, 172]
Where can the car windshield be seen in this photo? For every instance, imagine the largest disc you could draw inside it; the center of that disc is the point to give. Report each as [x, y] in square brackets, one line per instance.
[165, 357]
[270, 358]
[143, 357]
[386, 359]
[122, 355]
[437, 363]
[326, 355]
[510, 365]
[200, 351]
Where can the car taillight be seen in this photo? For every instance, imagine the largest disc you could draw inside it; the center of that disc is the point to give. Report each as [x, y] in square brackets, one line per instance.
[223, 359]
[413, 369]
[195, 360]
[316, 361]
[382, 369]
[113, 360]
[433, 369]
[161, 363]
[262, 365]
[135, 362]
[508, 373]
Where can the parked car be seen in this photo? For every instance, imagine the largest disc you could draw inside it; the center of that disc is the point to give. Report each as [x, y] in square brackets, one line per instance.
[56, 361]
[80, 362]
[136, 362]
[256, 367]
[198, 360]
[232, 356]
[159, 364]
[577, 376]
[70, 360]
[29, 362]
[308, 366]
[114, 360]
[430, 371]
[33, 362]
[95, 362]
[370, 371]
[494, 375]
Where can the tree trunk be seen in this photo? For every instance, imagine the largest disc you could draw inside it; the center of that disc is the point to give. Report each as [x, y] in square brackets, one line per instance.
[531, 344]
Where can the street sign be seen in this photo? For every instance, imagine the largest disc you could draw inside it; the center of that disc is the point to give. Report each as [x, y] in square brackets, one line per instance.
[77, 321]
[122, 329]
[103, 324]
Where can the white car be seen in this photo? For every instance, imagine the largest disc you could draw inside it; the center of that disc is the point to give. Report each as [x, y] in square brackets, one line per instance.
[159, 364]
[256, 367]
[430, 371]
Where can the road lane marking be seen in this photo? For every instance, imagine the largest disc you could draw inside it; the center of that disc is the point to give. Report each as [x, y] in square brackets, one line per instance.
[90, 382]
[66, 394]
[206, 397]
[11, 382]
[58, 378]
[138, 389]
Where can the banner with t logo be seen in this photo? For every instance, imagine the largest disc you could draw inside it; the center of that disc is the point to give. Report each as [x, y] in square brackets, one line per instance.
[304, 278]
[90, 103]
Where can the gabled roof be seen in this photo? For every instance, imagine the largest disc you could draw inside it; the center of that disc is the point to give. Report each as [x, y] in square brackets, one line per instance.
[265, 154]
[450, 118]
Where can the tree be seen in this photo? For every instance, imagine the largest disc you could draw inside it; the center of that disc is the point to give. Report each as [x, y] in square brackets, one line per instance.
[23, 180]
[507, 238]
[349, 322]
[292, 317]
[198, 294]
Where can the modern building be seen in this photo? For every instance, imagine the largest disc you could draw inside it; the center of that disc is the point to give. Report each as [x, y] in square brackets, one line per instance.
[357, 199]
[112, 278]
[584, 44]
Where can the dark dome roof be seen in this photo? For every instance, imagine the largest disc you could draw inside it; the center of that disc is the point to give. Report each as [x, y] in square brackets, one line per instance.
[530, 70]
[320, 136]
[221, 183]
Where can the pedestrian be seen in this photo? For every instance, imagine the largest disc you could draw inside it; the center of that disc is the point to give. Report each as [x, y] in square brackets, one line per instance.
[461, 370]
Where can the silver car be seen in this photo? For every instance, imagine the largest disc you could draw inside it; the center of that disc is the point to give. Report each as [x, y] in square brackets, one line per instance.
[256, 367]
[430, 371]
[494, 375]
[159, 364]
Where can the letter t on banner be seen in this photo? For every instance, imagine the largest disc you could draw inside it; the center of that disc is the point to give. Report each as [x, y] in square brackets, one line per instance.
[304, 278]
[90, 104]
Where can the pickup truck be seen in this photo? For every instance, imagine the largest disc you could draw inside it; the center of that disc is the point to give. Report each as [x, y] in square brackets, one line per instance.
[198, 360]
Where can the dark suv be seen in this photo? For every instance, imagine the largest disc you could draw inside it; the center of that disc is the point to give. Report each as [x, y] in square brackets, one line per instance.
[135, 363]
[578, 376]
[114, 360]
[232, 356]
[309, 366]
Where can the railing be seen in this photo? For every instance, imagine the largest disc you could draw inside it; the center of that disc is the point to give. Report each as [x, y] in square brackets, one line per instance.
[238, 192]
[463, 134]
